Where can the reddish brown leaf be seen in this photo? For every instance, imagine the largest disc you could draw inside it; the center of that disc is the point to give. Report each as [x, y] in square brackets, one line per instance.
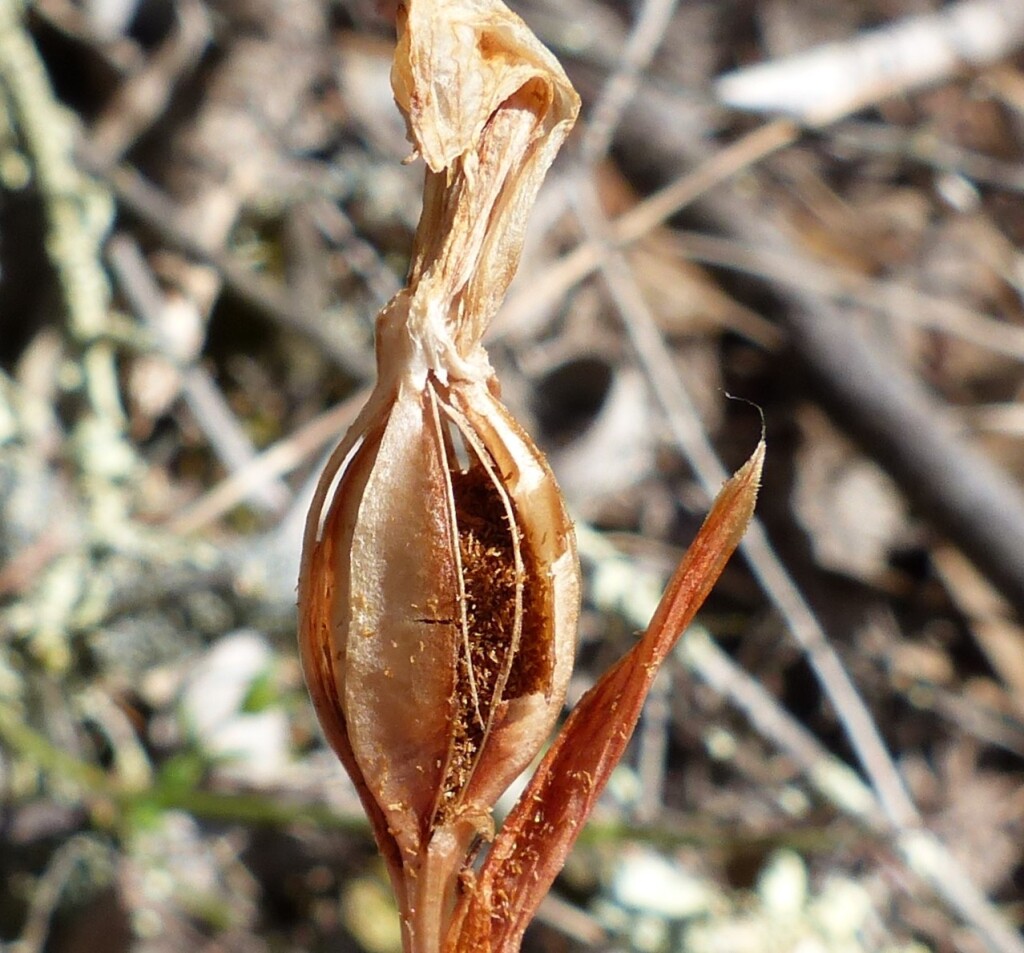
[539, 833]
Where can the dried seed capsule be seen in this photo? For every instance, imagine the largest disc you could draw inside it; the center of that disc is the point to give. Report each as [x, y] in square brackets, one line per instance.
[438, 609]
[450, 617]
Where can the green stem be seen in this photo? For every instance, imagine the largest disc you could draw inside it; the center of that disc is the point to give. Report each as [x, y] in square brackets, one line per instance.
[261, 810]
[49, 758]
[241, 808]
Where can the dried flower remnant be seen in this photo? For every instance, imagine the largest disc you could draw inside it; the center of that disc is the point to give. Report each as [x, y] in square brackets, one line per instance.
[440, 585]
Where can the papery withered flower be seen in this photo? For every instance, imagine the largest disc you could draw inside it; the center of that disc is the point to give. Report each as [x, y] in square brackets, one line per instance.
[440, 588]
[440, 585]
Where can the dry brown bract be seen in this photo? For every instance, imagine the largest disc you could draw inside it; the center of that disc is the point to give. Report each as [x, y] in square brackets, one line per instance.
[440, 585]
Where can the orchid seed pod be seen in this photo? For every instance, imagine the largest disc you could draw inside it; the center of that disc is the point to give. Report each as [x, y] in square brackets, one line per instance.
[439, 591]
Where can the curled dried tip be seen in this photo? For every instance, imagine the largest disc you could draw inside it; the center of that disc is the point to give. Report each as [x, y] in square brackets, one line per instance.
[487, 143]
[440, 44]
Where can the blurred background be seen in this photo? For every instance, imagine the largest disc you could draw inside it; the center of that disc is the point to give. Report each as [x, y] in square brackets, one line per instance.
[813, 208]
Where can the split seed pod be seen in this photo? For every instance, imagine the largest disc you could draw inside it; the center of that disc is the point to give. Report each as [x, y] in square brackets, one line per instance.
[440, 586]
